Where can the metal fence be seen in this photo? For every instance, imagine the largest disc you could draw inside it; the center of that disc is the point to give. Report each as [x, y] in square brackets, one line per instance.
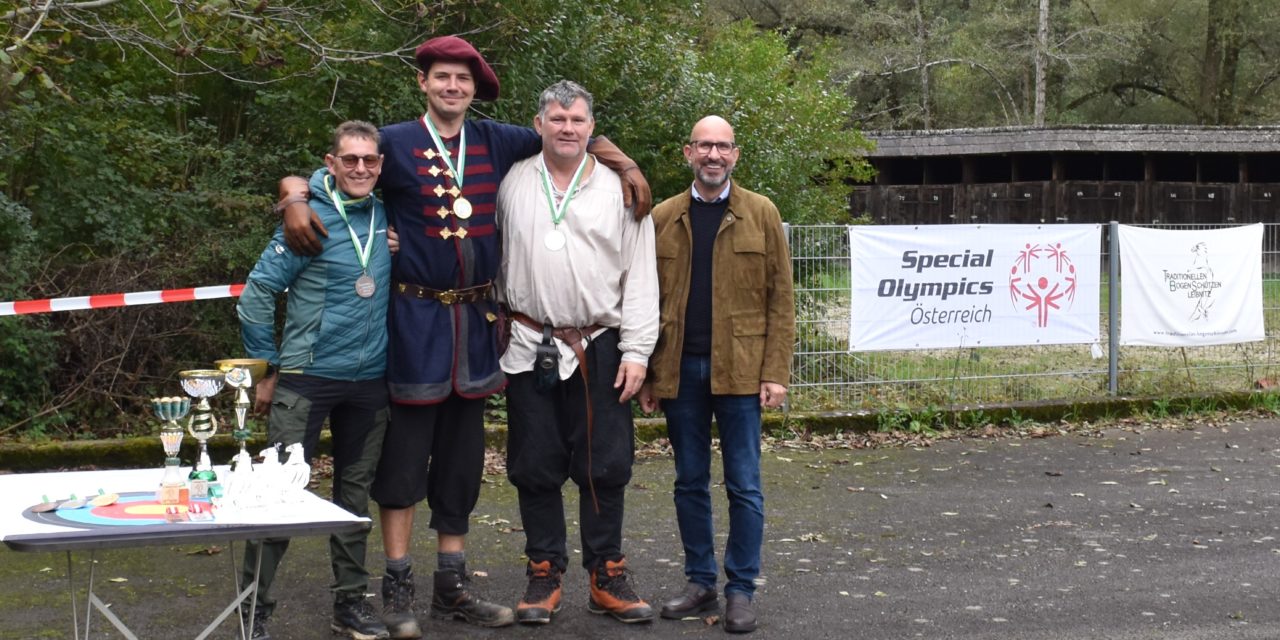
[826, 376]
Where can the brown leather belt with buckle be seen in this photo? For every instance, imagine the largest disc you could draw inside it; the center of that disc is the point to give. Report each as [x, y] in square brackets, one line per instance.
[450, 296]
[574, 337]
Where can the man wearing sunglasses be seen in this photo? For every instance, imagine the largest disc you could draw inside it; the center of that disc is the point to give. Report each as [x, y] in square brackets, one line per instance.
[330, 362]
[439, 184]
[725, 348]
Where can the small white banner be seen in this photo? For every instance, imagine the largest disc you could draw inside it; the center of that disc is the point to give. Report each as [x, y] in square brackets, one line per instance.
[943, 286]
[1190, 288]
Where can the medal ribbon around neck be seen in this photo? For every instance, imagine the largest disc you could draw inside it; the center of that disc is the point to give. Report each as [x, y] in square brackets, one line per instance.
[444, 153]
[558, 213]
[338, 203]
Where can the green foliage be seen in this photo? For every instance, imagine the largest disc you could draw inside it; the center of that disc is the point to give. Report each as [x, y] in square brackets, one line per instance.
[141, 142]
[928, 420]
[1017, 420]
[919, 64]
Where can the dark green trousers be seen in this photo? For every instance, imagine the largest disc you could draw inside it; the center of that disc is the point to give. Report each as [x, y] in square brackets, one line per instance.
[357, 415]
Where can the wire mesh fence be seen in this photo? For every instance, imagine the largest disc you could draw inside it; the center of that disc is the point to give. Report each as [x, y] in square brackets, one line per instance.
[827, 377]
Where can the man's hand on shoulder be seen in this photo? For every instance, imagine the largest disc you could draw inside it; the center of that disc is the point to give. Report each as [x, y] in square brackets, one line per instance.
[635, 188]
[300, 223]
[635, 192]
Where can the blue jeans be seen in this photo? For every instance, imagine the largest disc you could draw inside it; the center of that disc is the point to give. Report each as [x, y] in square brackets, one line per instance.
[689, 427]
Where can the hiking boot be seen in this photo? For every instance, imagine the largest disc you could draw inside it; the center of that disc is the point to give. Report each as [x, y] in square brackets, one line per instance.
[695, 601]
[354, 617]
[739, 615]
[542, 596]
[452, 599]
[611, 593]
[397, 606]
[258, 626]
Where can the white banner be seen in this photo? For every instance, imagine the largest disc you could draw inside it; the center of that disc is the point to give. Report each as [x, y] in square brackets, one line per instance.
[941, 286]
[1193, 287]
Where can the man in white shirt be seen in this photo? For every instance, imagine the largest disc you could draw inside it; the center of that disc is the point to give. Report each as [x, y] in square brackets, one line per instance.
[580, 279]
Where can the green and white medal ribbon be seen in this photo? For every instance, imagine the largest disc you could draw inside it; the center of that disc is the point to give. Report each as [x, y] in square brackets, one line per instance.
[554, 240]
[365, 284]
[461, 206]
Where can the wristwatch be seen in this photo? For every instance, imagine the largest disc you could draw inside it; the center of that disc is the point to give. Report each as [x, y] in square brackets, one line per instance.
[272, 369]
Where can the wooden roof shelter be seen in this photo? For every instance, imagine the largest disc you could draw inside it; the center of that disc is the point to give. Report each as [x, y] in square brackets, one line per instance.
[1095, 173]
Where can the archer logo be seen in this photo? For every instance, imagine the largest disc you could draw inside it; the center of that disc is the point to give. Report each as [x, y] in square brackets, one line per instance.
[1197, 280]
[1042, 280]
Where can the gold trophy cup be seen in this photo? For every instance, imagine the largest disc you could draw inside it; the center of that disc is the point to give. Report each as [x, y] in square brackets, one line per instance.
[241, 373]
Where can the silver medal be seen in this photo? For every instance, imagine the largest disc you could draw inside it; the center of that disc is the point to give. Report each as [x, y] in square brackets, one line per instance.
[365, 286]
[554, 240]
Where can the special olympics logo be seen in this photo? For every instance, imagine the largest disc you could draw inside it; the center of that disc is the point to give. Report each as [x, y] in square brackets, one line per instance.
[1041, 277]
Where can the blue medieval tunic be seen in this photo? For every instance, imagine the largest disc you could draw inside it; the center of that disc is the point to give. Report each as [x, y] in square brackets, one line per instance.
[437, 349]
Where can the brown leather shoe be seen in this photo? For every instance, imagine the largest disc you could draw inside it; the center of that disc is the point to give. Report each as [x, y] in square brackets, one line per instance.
[739, 614]
[695, 601]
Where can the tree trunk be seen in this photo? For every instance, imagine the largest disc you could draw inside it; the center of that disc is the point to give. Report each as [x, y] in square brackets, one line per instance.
[921, 59]
[1042, 48]
[1222, 42]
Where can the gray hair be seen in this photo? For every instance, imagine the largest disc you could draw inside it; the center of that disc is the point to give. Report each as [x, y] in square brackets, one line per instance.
[354, 129]
[565, 92]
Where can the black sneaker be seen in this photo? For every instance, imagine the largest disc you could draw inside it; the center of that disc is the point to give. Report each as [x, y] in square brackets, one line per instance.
[258, 626]
[452, 598]
[354, 617]
[397, 606]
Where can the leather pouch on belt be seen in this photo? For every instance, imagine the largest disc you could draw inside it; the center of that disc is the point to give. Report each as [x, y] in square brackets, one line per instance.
[546, 363]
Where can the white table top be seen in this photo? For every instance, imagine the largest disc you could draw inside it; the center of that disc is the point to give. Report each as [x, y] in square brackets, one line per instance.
[307, 515]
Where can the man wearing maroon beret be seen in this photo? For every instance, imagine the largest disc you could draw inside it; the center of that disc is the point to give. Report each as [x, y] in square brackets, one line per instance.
[439, 183]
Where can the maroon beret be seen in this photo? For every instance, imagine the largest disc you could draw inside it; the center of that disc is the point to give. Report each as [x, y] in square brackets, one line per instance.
[455, 49]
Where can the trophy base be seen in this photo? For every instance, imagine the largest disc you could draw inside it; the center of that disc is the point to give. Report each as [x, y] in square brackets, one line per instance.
[200, 480]
[172, 494]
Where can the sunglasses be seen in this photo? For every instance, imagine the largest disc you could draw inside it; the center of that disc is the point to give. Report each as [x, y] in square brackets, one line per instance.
[352, 160]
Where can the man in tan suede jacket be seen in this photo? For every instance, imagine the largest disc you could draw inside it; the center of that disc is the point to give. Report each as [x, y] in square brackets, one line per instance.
[724, 349]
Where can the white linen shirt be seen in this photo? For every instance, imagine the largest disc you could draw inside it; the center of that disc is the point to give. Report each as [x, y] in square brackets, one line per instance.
[605, 274]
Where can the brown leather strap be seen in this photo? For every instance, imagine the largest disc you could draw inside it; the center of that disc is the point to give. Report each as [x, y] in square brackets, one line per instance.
[449, 296]
[574, 337]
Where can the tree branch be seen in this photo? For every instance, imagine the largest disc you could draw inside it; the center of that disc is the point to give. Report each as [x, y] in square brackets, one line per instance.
[75, 6]
[972, 64]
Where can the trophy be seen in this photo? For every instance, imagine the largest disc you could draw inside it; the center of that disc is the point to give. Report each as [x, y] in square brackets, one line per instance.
[241, 373]
[202, 384]
[171, 410]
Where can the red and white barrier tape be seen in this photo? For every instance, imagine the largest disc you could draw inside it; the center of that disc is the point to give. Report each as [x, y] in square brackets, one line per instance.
[104, 301]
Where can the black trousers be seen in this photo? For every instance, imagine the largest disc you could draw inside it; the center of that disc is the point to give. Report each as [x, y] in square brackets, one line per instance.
[547, 444]
[435, 452]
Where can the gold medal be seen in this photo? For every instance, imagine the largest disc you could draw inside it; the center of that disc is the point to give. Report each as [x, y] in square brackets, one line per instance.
[365, 286]
[462, 208]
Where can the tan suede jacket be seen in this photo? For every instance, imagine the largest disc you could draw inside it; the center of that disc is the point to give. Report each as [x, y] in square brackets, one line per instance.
[753, 326]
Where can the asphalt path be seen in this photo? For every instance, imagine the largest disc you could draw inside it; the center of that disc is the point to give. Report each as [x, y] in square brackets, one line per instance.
[1120, 534]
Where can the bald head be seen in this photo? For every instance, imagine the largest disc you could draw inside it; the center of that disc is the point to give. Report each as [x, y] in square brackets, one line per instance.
[712, 128]
[711, 153]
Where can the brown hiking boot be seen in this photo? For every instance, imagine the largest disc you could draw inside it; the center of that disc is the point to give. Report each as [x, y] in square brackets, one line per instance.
[542, 596]
[611, 593]
[452, 598]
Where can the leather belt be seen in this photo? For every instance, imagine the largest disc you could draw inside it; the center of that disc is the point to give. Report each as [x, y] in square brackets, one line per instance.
[574, 337]
[449, 296]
